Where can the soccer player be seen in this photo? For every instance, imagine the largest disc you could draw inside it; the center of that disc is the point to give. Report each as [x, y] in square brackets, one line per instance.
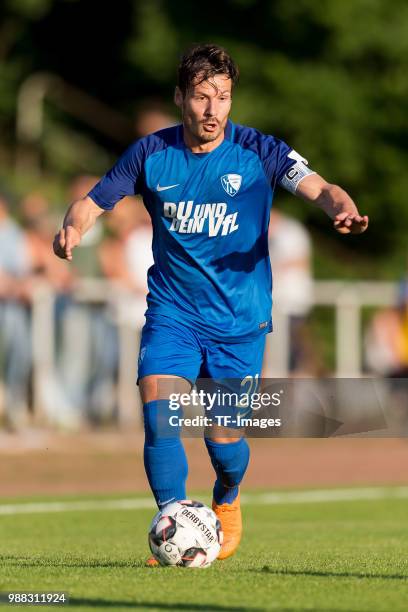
[208, 185]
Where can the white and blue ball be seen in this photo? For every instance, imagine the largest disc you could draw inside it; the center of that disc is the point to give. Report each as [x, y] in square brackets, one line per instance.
[185, 533]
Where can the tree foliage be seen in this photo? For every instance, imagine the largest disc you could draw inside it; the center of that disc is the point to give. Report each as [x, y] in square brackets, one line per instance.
[330, 77]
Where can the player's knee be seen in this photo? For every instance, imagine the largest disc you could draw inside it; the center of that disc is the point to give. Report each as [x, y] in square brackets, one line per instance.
[158, 387]
[224, 439]
[223, 435]
[148, 387]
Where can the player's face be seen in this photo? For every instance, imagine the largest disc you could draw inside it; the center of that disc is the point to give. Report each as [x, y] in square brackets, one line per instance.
[206, 107]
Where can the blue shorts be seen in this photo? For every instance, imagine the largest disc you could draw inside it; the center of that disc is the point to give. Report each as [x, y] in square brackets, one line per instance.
[169, 347]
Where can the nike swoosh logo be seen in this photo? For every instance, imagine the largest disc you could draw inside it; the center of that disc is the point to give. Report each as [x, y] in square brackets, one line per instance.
[166, 187]
[166, 502]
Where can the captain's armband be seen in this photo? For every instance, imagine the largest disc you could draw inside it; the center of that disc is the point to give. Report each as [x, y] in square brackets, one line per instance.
[295, 173]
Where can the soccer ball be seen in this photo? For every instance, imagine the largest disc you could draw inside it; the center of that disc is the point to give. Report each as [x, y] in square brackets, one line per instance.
[185, 533]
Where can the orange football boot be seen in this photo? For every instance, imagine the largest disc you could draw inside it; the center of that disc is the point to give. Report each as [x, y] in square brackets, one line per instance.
[231, 523]
[152, 562]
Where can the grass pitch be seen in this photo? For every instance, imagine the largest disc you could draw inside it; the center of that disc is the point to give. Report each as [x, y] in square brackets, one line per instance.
[326, 556]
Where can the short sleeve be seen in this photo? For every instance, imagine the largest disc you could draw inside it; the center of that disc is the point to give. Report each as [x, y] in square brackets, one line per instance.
[121, 180]
[283, 165]
[274, 154]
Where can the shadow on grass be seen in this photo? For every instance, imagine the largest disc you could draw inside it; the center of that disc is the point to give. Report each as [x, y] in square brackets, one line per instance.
[135, 605]
[15, 561]
[188, 607]
[324, 574]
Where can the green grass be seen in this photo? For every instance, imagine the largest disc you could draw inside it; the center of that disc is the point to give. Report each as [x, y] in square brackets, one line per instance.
[339, 556]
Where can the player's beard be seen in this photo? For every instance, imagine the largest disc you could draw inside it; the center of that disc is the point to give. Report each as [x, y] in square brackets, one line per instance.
[200, 133]
[206, 135]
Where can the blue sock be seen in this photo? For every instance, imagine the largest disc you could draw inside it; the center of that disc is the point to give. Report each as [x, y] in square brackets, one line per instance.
[230, 461]
[164, 457]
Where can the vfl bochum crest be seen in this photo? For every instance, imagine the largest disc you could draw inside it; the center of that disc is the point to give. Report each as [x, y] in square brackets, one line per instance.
[231, 183]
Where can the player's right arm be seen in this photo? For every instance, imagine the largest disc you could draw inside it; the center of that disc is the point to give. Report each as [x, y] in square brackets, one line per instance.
[79, 218]
[118, 182]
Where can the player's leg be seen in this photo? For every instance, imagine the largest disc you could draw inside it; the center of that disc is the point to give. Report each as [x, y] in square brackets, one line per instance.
[230, 458]
[227, 447]
[164, 456]
[169, 361]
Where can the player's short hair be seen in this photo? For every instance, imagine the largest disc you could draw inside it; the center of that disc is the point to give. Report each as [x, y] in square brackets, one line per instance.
[205, 61]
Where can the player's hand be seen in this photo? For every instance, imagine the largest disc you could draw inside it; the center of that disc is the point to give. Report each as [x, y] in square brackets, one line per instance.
[350, 223]
[65, 241]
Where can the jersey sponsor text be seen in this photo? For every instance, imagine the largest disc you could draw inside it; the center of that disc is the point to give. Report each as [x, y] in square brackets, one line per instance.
[190, 218]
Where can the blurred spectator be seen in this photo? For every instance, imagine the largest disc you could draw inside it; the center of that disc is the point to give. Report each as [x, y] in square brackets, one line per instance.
[138, 249]
[386, 341]
[125, 256]
[290, 253]
[86, 351]
[15, 295]
[152, 116]
[40, 227]
[33, 206]
[39, 230]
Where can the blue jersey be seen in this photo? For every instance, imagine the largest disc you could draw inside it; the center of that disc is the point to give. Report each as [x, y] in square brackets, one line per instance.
[210, 217]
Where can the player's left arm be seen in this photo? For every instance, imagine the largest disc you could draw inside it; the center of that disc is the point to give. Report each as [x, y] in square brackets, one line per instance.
[335, 202]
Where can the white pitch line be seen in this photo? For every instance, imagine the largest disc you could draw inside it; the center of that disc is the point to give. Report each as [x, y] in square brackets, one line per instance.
[75, 506]
[326, 495]
[262, 499]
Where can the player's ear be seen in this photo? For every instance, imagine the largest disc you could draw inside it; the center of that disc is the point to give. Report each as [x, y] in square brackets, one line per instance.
[178, 97]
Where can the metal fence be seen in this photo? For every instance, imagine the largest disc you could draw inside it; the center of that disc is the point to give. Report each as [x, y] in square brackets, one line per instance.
[346, 298]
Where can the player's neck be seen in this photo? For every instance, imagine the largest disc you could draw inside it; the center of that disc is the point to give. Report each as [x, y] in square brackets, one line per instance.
[198, 146]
